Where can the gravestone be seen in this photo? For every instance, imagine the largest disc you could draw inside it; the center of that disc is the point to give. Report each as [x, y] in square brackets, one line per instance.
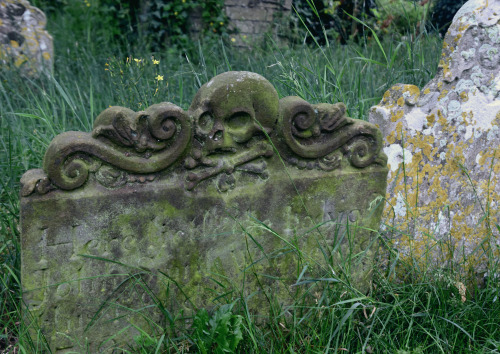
[24, 42]
[443, 148]
[235, 197]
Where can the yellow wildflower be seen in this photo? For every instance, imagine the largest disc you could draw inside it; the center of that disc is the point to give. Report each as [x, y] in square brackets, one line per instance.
[156, 62]
[159, 77]
[233, 39]
[137, 60]
[221, 23]
[176, 13]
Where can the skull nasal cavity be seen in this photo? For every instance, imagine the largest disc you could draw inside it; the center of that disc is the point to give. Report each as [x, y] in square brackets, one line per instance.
[217, 131]
[217, 135]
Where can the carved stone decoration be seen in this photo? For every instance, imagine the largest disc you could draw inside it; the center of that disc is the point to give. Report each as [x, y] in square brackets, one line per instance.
[318, 131]
[234, 120]
[232, 114]
[35, 180]
[170, 198]
[139, 142]
[24, 42]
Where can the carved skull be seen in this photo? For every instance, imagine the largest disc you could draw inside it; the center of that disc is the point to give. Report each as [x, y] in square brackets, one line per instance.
[231, 108]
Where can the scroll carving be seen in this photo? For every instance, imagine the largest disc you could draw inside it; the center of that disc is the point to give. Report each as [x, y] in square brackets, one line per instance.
[317, 131]
[235, 125]
[142, 142]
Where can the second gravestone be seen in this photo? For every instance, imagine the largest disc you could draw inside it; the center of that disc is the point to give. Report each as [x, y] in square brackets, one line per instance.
[24, 42]
[443, 145]
[237, 197]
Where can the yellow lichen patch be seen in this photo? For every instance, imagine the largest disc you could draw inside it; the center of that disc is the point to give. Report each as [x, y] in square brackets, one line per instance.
[457, 38]
[411, 89]
[431, 118]
[46, 55]
[463, 27]
[399, 131]
[464, 118]
[20, 60]
[496, 121]
[387, 95]
[445, 65]
[440, 85]
[443, 94]
[427, 91]
[486, 155]
[442, 120]
[401, 101]
[397, 116]
[423, 142]
[14, 44]
[391, 138]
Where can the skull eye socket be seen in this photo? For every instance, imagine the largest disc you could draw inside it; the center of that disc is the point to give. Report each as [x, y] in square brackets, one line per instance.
[205, 123]
[240, 126]
[239, 121]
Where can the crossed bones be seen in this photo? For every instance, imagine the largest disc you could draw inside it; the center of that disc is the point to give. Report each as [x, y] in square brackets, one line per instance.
[226, 165]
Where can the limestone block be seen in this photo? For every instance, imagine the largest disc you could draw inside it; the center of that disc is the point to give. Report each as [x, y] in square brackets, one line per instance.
[443, 148]
[244, 27]
[235, 196]
[283, 4]
[246, 13]
[24, 41]
[260, 27]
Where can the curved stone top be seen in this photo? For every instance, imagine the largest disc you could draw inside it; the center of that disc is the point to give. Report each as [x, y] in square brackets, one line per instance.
[474, 33]
[235, 119]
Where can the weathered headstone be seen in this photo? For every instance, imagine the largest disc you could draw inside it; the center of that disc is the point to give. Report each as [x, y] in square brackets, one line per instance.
[236, 196]
[443, 201]
[24, 42]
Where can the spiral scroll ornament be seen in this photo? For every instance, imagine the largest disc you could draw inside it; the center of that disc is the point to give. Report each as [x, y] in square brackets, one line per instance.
[142, 142]
[317, 131]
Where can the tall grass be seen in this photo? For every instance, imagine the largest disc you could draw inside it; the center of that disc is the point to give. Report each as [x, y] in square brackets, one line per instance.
[408, 316]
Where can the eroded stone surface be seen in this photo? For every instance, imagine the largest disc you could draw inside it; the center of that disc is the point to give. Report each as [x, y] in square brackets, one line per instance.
[24, 42]
[443, 199]
[228, 191]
